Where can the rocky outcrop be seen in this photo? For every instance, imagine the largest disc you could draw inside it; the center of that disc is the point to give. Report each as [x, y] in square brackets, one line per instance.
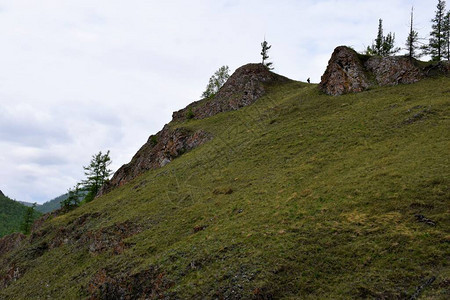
[345, 73]
[159, 150]
[11, 242]
[244, 87]
[393, 70]
[350, 72]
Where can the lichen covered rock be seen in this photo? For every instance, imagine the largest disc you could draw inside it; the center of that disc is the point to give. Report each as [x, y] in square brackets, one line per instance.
[244, 87]
[345, 73]
[393, 70]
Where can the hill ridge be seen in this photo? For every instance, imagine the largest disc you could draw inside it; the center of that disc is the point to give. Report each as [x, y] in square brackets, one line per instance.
[298, 195]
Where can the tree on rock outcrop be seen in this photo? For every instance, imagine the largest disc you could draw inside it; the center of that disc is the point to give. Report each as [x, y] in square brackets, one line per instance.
[216, 81]
[412, 42]
[265, 54]
[97, 173]
[383, 45]
[437, 46]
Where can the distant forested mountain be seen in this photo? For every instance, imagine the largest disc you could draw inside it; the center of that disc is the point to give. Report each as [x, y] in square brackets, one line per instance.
[48, 206]
[11, 215]
[52, 205]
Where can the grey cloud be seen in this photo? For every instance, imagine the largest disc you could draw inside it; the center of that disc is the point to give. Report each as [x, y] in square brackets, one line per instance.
[30, 132]
[49, 159]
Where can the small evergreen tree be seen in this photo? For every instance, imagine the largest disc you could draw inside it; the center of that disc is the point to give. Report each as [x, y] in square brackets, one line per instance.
[265, 54]
[436, 46]
[413, 39]
[447, 36]
[216, 81]
[73, 199]
[97, 173]
[28, 219]
[383, 45]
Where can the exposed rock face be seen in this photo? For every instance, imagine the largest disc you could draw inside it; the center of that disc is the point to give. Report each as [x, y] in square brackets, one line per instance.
[393, 70]
[10, 242]
[159, 150]
[344, 74]
[349, 72]
[243, 88]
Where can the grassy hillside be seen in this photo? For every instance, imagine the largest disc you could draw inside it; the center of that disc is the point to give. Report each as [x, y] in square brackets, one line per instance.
[300, 195]
[11, 215]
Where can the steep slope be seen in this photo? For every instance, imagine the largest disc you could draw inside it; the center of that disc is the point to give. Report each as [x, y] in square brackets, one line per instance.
[245, 86]
[11, 215]
[299, 195]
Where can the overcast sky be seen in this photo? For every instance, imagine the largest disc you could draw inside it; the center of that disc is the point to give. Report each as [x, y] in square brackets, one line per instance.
[78, 77]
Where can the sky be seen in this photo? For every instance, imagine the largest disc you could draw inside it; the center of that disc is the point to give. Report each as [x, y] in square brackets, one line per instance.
[78, 77]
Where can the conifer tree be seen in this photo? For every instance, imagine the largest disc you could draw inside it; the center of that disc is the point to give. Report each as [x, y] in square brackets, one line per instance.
[447, 36]
[436, 46]
[413, 39]
[265, 54]
[383, 45]
[28, 219]
[97, 173]
[73, 199]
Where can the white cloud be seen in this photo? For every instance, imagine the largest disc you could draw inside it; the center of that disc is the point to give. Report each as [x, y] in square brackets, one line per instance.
[82, 76]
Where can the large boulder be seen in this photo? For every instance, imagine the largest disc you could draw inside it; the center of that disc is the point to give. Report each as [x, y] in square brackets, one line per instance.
[345, 73]
[393, 70]
[244, 87]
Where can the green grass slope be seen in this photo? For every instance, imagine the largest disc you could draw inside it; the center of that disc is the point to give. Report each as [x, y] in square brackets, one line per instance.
[300, 195]
[11, 215]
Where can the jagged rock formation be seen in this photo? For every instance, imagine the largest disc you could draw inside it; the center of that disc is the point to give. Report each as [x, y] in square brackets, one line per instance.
[244, 87]
[344, 74]
[159, 150]
[350, 72]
